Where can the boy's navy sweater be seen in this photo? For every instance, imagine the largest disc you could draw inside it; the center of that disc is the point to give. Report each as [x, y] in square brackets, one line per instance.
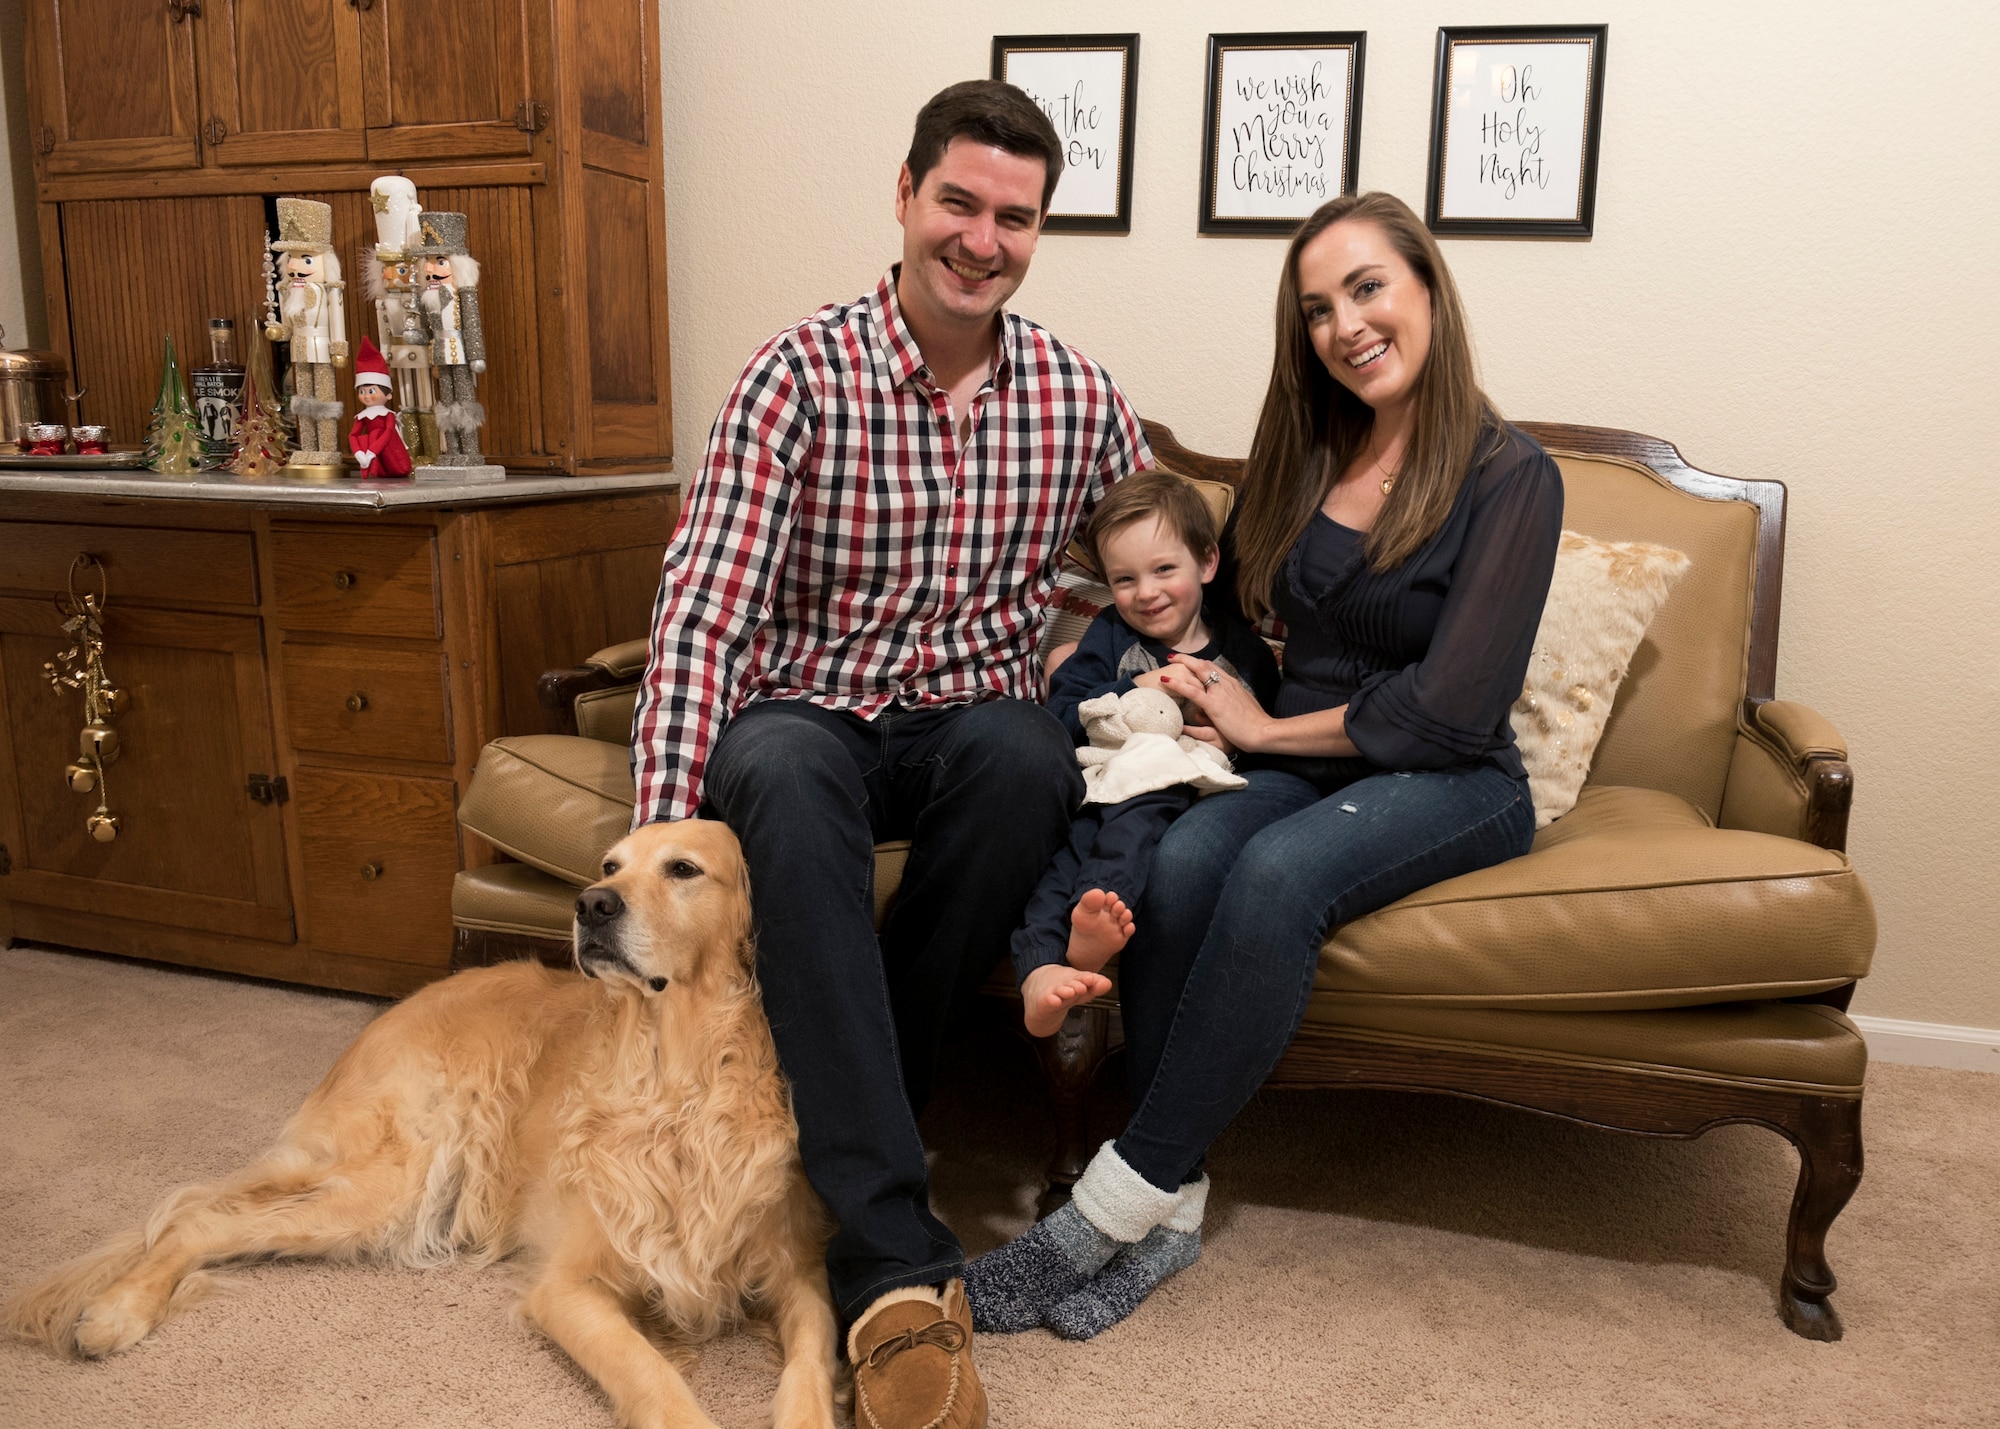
[1112, 653]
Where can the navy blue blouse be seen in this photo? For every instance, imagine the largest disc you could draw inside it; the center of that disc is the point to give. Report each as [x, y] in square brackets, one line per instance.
[1428, 657]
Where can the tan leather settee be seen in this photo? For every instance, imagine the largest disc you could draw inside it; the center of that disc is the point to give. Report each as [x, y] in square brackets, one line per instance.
[1675, 953]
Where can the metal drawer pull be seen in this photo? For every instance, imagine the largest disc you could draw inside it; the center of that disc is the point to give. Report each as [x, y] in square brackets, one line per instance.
[371, 871]
[343, 580]
[357, 702]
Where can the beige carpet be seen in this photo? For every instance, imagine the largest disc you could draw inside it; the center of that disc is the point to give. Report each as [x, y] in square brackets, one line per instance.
[1372, 1259]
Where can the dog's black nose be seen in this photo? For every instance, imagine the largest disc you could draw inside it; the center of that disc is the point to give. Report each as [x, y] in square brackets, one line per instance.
[598, 906]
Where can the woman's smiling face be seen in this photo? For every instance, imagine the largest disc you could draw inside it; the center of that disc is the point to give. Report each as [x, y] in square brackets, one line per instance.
[1368, 312]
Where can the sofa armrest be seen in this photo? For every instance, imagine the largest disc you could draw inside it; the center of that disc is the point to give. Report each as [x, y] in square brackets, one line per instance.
[1790, 776]
[611, 668]
[1800, 731]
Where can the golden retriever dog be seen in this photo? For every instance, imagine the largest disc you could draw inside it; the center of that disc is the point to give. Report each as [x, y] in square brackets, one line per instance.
[626, 1133]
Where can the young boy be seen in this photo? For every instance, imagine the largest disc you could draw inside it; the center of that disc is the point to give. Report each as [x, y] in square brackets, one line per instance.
[1154, 541]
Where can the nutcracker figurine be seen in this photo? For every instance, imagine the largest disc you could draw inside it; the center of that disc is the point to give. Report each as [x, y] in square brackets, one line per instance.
[311, 313]
[399, 321]
[378, 445]
[450, 303]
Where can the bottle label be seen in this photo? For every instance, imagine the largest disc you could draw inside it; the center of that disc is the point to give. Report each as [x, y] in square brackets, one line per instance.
[218, 401]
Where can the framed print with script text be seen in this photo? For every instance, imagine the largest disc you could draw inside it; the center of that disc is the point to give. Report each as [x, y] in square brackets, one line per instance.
[1282, 131]
[1515, 118]
[1088, 85]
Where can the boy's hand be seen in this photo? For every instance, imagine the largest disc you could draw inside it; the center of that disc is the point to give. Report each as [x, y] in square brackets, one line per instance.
[1149, 680]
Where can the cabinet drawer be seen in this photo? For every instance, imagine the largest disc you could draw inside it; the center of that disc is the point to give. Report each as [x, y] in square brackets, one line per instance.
[142, 563]
[349, 581]
[343, 699]
[378, 856]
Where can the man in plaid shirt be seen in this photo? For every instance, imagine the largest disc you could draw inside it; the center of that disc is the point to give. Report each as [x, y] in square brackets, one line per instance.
[843, 654]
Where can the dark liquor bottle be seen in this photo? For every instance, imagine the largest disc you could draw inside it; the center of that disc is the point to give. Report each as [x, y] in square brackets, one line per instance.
[218, 395]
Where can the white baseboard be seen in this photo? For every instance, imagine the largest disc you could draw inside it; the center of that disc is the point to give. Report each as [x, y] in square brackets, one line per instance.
[1931, 1044]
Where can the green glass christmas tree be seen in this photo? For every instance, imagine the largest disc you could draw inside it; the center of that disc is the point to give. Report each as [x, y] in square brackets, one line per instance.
[260, 438]
[173, 442]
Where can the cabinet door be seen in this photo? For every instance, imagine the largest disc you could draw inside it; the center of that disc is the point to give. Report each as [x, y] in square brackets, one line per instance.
[281, 82]
[114, 85]
[448, 81]
[193, 849]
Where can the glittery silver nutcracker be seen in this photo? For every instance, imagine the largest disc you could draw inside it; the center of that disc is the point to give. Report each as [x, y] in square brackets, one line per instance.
[399, 319]
[312, 314]
[449, 299]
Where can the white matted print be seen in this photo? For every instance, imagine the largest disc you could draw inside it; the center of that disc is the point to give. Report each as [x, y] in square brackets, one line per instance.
[1088, 86]
[1514, 130]
[1282, 128]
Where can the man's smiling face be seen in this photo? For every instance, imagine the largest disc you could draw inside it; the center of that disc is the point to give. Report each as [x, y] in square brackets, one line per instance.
[968, 234]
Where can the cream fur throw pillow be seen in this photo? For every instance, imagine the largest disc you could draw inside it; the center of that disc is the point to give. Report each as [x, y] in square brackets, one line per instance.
[1604, 595]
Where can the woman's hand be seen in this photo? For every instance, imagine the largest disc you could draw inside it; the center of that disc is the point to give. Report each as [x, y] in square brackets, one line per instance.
[1231, 710]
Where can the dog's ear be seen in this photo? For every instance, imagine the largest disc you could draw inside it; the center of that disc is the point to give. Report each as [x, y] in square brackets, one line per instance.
[745, 931]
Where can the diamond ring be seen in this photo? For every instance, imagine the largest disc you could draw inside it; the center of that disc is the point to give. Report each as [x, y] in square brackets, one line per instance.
[1211, 678]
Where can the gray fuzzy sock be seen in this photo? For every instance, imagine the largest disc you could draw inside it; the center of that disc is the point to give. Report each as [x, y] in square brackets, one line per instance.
[1133, 1274]
[1012, 1288]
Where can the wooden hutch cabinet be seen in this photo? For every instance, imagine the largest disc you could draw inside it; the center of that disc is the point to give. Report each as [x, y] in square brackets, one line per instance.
[162, 128]
[312, 674]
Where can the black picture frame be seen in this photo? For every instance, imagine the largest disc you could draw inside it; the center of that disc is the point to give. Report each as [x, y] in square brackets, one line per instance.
[1119, 221]
[1355, 43]
[1446, 217]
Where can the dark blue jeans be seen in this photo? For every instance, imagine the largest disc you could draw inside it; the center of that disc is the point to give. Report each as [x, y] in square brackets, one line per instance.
[1110, 847]
[984, 794]
[1245, 886]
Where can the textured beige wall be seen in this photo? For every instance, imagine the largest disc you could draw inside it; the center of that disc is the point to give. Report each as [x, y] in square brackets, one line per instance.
[21, 307]
[1794, 277]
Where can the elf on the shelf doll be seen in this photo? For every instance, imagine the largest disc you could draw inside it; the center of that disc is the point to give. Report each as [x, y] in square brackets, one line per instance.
[378, 446]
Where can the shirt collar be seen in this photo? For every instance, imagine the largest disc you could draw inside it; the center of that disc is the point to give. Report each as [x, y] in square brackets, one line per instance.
[897, 355]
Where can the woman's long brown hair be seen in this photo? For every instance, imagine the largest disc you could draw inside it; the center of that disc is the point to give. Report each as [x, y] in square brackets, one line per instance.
[1312, 427]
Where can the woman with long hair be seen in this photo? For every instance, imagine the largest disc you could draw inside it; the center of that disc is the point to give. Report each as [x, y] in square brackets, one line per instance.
[1405, 535]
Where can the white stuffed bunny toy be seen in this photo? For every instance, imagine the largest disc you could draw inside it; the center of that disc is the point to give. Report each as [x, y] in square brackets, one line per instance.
[1136, 746]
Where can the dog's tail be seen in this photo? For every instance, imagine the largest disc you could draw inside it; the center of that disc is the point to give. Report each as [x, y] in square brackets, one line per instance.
[48, 1311]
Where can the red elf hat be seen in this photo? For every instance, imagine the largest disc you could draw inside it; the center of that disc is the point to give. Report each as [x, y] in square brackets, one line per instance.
[370, 366]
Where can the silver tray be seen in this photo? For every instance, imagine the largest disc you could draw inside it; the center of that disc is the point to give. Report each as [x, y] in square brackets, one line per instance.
[118, 458]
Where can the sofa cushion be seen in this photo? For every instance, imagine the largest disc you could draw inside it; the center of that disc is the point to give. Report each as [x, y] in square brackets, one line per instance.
[1632, 900]
[1783, 1046]
[513, 898]
[1600, 602]
[551, 800]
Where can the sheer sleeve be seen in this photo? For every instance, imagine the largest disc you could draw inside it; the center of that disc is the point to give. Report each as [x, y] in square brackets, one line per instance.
[1445, 709]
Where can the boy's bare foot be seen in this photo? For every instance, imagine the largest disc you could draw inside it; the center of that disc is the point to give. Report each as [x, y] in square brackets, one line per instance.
[1099, 926]
[1052, 990]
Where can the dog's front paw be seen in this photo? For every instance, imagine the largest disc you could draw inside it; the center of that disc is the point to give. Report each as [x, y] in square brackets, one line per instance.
[110, 1324]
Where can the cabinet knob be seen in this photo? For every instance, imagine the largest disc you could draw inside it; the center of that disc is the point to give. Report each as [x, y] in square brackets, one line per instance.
[357, 702]
[371, 871]
[343, 580]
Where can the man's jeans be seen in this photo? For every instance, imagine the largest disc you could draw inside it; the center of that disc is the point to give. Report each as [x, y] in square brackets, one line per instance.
[984, 793]
[1245, 885]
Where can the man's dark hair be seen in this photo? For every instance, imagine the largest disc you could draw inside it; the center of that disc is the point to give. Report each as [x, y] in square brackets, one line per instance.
[989, 111]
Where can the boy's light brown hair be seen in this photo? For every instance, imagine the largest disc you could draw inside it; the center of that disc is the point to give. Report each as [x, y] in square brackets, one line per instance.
[1152, 493]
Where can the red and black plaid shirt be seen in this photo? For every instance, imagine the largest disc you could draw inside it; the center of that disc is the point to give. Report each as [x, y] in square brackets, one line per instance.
[840, 546]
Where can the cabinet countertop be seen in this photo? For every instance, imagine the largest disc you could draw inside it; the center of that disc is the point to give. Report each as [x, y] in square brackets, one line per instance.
[344, 494]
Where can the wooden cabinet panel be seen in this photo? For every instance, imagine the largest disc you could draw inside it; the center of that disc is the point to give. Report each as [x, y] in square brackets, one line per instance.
[616, 68]
[138, 268]
[169, 567]
[281, 82]
[446, 80]
[114, 86]
[346, 699]
[192, 851]
[349, 581]
[377, 855]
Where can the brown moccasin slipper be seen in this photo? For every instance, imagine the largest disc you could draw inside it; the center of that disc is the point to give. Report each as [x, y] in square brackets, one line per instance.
[912, 1354]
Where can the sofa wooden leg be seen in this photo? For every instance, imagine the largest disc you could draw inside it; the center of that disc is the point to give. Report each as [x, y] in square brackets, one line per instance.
[1828, 1135]
[1070, 1063]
